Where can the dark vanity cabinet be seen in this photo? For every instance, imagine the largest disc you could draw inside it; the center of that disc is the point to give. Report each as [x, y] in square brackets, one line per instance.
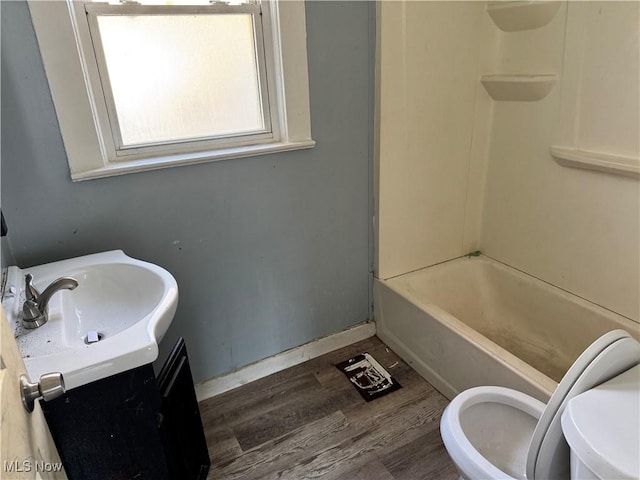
[132, 425]
[180, 424]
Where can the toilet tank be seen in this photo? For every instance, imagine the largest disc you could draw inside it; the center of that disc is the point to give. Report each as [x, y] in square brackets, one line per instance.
[601, 428]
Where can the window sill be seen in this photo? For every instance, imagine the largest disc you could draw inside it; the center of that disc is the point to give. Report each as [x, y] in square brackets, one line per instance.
[70, 63]
[132, 166]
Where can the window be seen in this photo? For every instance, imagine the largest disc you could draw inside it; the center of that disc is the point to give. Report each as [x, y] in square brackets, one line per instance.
[140, 86]
[178, 74]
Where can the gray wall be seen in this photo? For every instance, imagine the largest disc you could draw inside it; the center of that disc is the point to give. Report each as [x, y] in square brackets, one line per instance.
[269, 252]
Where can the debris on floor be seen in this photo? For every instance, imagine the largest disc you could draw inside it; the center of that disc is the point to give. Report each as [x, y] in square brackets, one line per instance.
[368, 376]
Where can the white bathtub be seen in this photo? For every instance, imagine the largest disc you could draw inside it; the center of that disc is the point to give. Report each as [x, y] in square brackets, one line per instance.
[475, 321]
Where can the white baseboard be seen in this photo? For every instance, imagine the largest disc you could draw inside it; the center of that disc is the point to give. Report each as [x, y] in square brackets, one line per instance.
[289, 358]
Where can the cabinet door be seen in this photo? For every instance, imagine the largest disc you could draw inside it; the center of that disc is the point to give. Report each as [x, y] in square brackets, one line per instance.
[181, 427]
[108, 429]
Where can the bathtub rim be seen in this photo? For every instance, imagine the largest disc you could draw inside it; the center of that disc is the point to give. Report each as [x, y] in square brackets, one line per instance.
[401, 286]
[632, 325]
[526, 372]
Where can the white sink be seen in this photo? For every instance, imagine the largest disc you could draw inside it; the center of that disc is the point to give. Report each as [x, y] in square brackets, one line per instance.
[129, 303]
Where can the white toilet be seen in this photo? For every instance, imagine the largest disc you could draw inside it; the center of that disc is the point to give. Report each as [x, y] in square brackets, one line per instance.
[496, 433]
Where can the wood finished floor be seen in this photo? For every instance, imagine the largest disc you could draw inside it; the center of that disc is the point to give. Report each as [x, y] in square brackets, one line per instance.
[309, 422]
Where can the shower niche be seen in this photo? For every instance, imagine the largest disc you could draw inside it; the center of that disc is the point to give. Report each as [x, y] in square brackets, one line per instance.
[522, 15]
[519, 87]
[513, 17]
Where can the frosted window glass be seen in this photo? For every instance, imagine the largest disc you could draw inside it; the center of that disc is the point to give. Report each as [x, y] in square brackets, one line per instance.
[179, 77]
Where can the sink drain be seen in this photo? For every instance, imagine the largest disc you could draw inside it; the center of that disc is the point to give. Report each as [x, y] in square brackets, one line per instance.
[93, 337]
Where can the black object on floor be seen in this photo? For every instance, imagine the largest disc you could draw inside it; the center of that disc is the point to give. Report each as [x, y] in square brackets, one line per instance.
[368, 376]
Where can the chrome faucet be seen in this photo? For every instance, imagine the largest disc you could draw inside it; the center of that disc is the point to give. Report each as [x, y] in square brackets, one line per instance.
[34, 310]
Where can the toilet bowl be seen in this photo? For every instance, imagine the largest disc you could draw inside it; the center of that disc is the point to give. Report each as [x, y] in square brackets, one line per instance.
[500, 433]
[475, 444]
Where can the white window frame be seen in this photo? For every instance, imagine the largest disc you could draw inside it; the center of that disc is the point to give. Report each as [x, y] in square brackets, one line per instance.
[72, 71]
[116, 149]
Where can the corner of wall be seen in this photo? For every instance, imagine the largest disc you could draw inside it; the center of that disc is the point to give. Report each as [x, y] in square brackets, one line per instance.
[427, 94]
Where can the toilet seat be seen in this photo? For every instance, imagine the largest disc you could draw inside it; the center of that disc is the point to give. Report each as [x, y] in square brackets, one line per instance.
[610, 355]
[546, 455]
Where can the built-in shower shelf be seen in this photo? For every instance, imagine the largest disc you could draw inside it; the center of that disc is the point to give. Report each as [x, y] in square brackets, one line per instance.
[519, 87]
[600, 161]
[514, 16]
